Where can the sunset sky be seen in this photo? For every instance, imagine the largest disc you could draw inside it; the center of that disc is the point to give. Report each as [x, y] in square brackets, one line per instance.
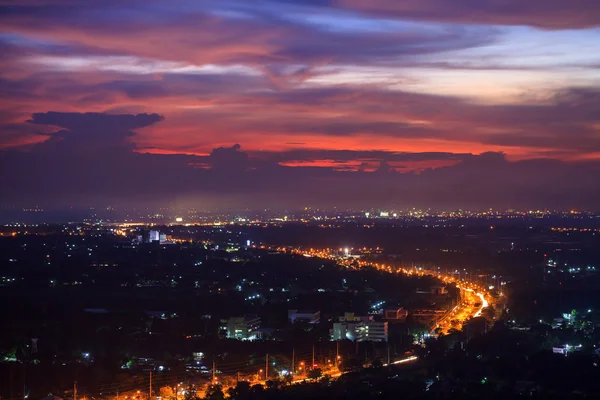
[290, 103]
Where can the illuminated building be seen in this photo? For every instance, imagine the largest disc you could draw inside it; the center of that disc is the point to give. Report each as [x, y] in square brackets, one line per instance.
[360, 329]
[372, 331]
[243, 328]
[154, 236]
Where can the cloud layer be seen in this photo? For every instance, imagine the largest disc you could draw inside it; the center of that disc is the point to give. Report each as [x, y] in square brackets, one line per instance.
[298, 103]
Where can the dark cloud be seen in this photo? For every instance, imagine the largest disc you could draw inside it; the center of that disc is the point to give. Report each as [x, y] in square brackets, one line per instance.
[228, 159]
[61, 174]
[548, 14]
[351, 155]
[90, 132]
[92, 121]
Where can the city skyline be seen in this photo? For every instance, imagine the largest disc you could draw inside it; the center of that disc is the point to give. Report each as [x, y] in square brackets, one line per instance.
[288, 104]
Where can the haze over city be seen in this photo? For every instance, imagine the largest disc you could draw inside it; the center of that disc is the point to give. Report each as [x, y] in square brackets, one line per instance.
[288, 104]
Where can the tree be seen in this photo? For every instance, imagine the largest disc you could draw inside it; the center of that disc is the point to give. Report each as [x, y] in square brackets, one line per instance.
[376, 363]
[274, 384]
[166, 392]
[488, 313]
[214, 392]
[287, 379]
[453, 331]
[257, 390]
[240, 391]
[315, 373]
[190, 393]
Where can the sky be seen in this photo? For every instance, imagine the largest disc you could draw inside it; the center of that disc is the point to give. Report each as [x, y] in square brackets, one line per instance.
[300, 103]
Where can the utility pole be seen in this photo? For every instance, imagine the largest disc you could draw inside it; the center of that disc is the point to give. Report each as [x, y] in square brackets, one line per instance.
[213, 373]
[75, 390]
[293, 362]
[337, 350]
[388, 349]
[267, 368]
[150, 389]
[313, 357]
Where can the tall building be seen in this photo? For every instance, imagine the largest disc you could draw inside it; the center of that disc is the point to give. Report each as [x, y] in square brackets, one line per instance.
[344, 330]
[243, 328]
[154, 236]
[359, 328]
[372, 331]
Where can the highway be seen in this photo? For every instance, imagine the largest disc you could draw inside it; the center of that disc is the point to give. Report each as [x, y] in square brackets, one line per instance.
[474, 297]
[337, 374]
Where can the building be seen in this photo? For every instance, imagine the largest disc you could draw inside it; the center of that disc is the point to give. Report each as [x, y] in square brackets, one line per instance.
[312, 317]
[372, 331]
[343, 330]
[243, 328]
[359, 328]
[396, 315]
[351, 317]
[154, 236]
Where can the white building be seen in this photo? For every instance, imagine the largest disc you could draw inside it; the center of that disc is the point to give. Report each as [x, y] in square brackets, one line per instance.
[154, 236]
[359, 328]
[372, 331]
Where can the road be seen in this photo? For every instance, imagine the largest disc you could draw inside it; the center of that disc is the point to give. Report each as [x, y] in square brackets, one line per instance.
[474, 297]
[336, 375]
